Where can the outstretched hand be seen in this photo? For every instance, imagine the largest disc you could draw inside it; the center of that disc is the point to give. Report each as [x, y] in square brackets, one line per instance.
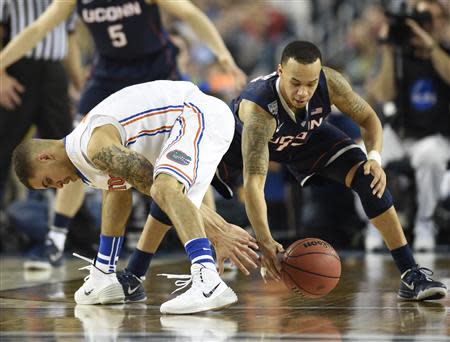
[238, 246]
[378, 184]
[270, 264]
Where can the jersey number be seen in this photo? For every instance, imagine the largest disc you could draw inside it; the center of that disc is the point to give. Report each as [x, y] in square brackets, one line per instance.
[117, 36]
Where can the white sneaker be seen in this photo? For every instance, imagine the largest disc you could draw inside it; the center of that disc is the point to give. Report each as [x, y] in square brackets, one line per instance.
[99, 287]
[424, 236]
[196, 328]
[373, 240]
[208, 292]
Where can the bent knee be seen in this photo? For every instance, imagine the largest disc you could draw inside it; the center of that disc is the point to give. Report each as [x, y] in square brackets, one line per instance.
[164, 188]
[351, 174]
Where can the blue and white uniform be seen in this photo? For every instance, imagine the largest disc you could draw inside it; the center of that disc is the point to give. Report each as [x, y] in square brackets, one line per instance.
[131, 46]
[180, 130]
[304, 141]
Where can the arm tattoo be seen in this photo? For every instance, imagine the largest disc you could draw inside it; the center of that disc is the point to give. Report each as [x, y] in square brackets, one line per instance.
[255, 150]
[131, 166]
[343, 96]
[337, 84]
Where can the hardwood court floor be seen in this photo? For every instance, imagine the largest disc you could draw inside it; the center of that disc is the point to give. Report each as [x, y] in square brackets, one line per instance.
[36, 306]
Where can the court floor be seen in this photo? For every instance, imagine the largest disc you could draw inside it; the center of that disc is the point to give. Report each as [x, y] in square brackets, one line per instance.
[39, 306]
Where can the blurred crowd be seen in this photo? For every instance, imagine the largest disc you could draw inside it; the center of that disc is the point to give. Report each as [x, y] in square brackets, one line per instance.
[350, 34]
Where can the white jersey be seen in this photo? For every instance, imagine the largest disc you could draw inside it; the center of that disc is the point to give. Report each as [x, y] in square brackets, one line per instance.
[172, 123]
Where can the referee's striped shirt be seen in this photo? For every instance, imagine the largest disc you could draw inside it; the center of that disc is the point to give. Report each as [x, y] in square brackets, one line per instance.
[16, 15]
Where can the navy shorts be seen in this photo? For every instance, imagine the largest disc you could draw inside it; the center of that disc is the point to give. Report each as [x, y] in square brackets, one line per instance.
[329, 153]
[109, 76]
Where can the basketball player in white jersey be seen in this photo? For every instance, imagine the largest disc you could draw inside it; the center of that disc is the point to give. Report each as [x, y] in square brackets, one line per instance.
[164, 138]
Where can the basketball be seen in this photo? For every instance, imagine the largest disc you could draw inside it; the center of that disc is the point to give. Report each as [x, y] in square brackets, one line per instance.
[311, 268]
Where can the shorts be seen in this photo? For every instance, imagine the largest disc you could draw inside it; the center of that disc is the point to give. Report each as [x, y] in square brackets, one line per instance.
[198, 140]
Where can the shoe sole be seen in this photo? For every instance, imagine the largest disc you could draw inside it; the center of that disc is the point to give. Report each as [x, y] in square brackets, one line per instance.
[430, 294]
[111, 294]
[130, 301]
[220, 302]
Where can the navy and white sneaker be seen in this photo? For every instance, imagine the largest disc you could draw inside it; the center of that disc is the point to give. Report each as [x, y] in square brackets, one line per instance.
[47, 258]
[132, 286]
[417, 285]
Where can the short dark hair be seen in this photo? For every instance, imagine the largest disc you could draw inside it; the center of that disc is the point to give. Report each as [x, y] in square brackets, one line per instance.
[302, 51]
[22, 163]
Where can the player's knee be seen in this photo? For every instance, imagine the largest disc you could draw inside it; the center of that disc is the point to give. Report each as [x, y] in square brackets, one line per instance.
[373, 206]
[164, 189]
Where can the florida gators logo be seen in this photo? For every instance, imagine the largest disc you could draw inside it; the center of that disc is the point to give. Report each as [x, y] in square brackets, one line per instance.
[179, 157]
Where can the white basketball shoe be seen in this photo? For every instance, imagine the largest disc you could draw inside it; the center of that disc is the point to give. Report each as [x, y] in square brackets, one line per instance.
[99, 287]
[208, 292]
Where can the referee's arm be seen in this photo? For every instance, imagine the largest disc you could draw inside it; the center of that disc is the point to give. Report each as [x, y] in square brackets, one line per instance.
[72, 62]
[33, 34]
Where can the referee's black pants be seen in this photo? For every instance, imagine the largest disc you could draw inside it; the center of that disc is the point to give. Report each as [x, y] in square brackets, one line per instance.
[45, 103]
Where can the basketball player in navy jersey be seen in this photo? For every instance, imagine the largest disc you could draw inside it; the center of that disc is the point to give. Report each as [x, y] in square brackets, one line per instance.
[131, 47]
[282, 117]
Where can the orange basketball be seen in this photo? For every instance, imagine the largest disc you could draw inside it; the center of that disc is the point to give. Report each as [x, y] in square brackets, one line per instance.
[311, 268]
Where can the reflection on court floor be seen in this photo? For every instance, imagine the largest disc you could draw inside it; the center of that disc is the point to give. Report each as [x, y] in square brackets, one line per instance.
[38, 306]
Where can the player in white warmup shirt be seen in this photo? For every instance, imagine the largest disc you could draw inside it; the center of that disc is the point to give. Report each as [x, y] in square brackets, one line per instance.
[165, 139]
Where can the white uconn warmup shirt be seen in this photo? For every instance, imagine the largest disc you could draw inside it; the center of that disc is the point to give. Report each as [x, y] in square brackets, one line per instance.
[180, 130]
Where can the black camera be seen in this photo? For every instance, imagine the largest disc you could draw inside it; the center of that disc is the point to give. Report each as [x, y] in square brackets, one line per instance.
[399, 32]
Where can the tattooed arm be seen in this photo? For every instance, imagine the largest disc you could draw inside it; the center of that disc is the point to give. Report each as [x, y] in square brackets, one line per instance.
[350, 103]
[107, 153]
[259, 127]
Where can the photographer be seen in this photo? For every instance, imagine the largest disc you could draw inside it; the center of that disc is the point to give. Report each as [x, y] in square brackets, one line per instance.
[415, 73]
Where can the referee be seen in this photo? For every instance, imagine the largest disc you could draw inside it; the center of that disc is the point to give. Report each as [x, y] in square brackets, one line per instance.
[34, 90]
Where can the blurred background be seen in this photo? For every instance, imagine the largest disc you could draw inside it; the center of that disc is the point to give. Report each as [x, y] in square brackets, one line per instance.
[352, 37]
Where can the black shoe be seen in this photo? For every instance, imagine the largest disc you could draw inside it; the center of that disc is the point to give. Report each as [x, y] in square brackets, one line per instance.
[132, 286]
[49, 256]
[417, 285]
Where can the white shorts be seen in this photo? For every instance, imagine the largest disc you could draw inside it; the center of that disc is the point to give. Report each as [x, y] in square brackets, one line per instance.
[198, 140]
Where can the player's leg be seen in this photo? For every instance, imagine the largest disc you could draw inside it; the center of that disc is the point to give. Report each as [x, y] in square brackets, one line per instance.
[133, 275]
[416, 283]
[182, 176]
[394, 150]
[102, 285]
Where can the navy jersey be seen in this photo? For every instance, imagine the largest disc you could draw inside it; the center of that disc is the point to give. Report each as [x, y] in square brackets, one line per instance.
[289, 135]
[123, 29]
[306, 146]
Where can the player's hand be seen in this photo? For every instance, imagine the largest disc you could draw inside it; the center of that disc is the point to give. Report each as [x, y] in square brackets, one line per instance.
[230, 67]
[10, 90]
[270, 264]
[238, 246]
[379, 177]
